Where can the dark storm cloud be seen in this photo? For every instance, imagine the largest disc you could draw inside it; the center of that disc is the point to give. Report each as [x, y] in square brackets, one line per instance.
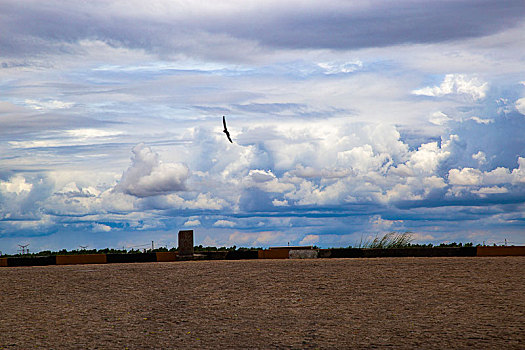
[32, 28]
[387, 23]
[471, 200]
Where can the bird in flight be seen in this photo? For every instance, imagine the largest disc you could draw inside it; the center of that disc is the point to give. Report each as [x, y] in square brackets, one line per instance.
[226, 130]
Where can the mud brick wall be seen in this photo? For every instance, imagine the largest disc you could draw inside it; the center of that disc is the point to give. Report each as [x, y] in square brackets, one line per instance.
[341, 253]
[131, 258]
[166, 256]
[215, 255]
[242, 254]
[31, 261]
[420, 252]
[501, 251]
[274, 254]
[397, 252]
[81, 259]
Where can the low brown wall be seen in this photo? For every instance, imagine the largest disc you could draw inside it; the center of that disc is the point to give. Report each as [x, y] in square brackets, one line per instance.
[274, 254]
[81, 259]
[3, 262]
[130, 258]
[242, 254]
[166, 256]
[501, 251]
[215, 255]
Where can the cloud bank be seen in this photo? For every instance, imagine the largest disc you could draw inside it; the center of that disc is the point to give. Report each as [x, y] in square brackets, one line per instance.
[348, 119]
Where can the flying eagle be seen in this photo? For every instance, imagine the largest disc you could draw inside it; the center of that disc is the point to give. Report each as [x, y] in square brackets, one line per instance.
[226, 130]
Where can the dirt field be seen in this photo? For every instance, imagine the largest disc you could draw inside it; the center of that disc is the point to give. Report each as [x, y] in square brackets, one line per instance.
[425, 303]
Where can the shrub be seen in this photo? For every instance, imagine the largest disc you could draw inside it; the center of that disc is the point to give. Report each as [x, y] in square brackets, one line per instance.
[388, 241]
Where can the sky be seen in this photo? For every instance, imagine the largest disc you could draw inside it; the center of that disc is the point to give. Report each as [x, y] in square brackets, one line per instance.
[349, 119]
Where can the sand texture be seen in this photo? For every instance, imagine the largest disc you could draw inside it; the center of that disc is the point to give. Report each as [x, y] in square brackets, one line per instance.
[424, 303]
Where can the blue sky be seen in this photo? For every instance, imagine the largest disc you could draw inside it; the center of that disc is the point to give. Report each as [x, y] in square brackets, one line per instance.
[349, 119]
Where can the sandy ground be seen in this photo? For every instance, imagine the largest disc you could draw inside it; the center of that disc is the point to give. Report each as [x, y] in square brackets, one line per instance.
[425, 303]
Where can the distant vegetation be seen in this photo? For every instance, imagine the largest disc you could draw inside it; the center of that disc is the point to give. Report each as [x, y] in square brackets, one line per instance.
[198, 248]
[402, 240]
[388, 241]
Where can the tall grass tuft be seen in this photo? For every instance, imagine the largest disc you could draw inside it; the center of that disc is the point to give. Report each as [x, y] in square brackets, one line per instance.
[388, 241]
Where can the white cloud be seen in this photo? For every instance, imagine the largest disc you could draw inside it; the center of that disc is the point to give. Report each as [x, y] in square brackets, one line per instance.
[261, 175]
[465, 177]
[101, 227]
[483, 191]
[410, 190]
[89, 133]
[499, 175]
[279, 203]
[481, 121]
[148, 176]
[439, 118]
[210, 242]
[481, 157]
[325, 173]
[258, 239]
[456, 84]
[266, 181]
[203, 201]
[433, 182]
[16, 184]
[362, 159]
[520, 105]
[224, 223]
[241, 238]
[309, 240]
[192, 223]
[401, 170]
[117, 202]
[383, 224]
[73, 190]
[309, 193]
[270, 238]
[518, 174]
[425, 238]
[340, 67]
[47, 105]
[428, 156]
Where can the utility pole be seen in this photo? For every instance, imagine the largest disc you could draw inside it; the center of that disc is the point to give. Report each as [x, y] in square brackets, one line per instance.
[152, 246]
[23, 248]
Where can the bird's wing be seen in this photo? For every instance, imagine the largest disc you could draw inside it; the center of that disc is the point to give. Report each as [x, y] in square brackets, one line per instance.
[229, 138]
[224, 122]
